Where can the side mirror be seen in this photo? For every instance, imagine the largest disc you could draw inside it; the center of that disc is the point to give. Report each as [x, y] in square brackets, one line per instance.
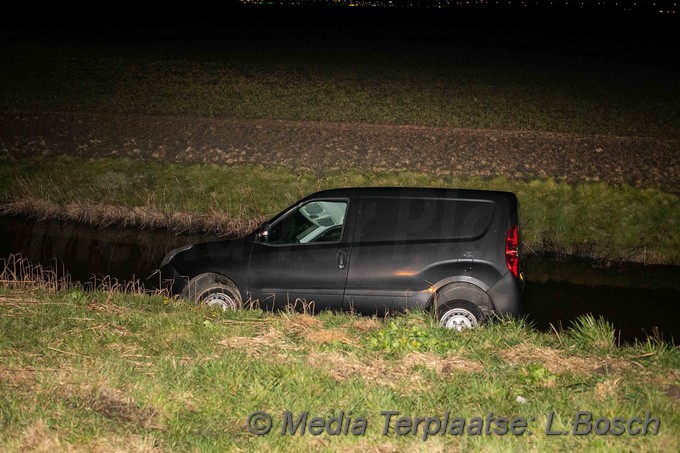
[263, 232]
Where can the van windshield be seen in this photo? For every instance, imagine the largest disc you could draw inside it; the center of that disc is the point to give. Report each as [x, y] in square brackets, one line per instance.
[315, 221]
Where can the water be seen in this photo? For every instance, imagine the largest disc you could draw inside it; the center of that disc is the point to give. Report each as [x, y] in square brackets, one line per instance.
[122, 253]
[639, 300]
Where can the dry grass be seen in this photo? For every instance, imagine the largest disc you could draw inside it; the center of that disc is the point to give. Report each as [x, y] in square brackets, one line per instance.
[18, 376]
[551, 359]
[330, 336]
[606, 389]
[312, 330]
[442, 366]
[103, 215]
[17, 272]
[366, 324]
[433, 445]
[41, 438]
[343, 366]
[120, 444]
[271, 344]
[301, 323]
[557, 361]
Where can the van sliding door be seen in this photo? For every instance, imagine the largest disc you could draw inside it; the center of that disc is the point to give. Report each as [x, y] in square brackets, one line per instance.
[404, 245]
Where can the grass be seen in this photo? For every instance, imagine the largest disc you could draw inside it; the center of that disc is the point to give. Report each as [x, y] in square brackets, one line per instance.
[595, 333]
[591, 220]
[376, 82]
[107, 370]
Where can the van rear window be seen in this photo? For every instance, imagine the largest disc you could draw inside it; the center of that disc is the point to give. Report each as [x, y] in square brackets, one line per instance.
[422, 219]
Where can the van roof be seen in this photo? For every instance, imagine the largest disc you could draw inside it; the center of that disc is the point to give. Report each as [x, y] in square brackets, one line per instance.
[413, 192]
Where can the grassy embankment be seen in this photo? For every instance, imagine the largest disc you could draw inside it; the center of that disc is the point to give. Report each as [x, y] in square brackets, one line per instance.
[106, 370]
[598, 220]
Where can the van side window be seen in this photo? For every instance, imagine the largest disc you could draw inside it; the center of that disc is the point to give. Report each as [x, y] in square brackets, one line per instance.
[314, 222]
[428, 219]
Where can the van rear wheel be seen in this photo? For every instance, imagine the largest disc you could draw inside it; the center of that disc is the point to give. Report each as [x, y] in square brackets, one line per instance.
[460, 315]
[213, 290]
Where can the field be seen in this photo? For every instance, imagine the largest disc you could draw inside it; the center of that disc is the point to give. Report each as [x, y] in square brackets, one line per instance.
[430, 83]
[105, 370]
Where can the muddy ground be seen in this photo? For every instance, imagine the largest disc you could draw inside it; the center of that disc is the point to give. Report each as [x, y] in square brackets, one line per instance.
[638, 161]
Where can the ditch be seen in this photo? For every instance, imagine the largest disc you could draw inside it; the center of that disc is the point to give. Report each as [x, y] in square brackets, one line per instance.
[639, 300]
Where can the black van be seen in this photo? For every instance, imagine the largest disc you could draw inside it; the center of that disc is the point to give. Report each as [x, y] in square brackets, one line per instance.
[371, 250]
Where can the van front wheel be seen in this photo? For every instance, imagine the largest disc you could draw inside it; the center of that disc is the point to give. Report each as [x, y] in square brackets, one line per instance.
[460, 315]
[213, 290]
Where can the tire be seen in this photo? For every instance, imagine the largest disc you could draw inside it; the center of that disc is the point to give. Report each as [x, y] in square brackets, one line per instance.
[213, 290]
[460, 315]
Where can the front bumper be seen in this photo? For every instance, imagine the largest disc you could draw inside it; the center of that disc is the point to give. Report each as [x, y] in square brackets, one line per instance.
[172, 281]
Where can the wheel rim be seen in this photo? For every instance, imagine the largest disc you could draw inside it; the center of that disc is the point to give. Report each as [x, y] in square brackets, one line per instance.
[459, 319]
[220, 300]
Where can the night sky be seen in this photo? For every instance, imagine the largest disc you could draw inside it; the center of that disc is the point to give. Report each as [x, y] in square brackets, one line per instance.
[602, 14]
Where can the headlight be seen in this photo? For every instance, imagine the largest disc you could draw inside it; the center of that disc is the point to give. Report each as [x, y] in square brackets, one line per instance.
[171, 254]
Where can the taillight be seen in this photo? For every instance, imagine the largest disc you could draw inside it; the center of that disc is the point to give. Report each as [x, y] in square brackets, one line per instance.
[512, 250]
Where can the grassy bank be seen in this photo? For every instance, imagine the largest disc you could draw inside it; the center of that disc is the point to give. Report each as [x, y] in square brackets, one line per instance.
[108, 371]
[377, 81]
[592, 220]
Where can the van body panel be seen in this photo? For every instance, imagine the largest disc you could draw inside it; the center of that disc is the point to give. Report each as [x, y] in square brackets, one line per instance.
[302, 273]
[507, 295]
[399, 248]
[229, 258]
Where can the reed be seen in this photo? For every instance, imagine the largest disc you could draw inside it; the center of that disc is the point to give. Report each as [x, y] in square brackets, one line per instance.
[148, 217]
[18, 272]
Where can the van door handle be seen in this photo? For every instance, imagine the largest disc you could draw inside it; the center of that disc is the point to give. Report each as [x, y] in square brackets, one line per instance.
[341, 259]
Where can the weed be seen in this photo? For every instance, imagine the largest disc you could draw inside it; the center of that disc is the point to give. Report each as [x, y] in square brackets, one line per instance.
[17, 272]
[414, 334]
[592, 334]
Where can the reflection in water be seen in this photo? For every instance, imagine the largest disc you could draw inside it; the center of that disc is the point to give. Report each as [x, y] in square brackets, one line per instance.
[121, 253]
[635, 312]
[638, 300]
